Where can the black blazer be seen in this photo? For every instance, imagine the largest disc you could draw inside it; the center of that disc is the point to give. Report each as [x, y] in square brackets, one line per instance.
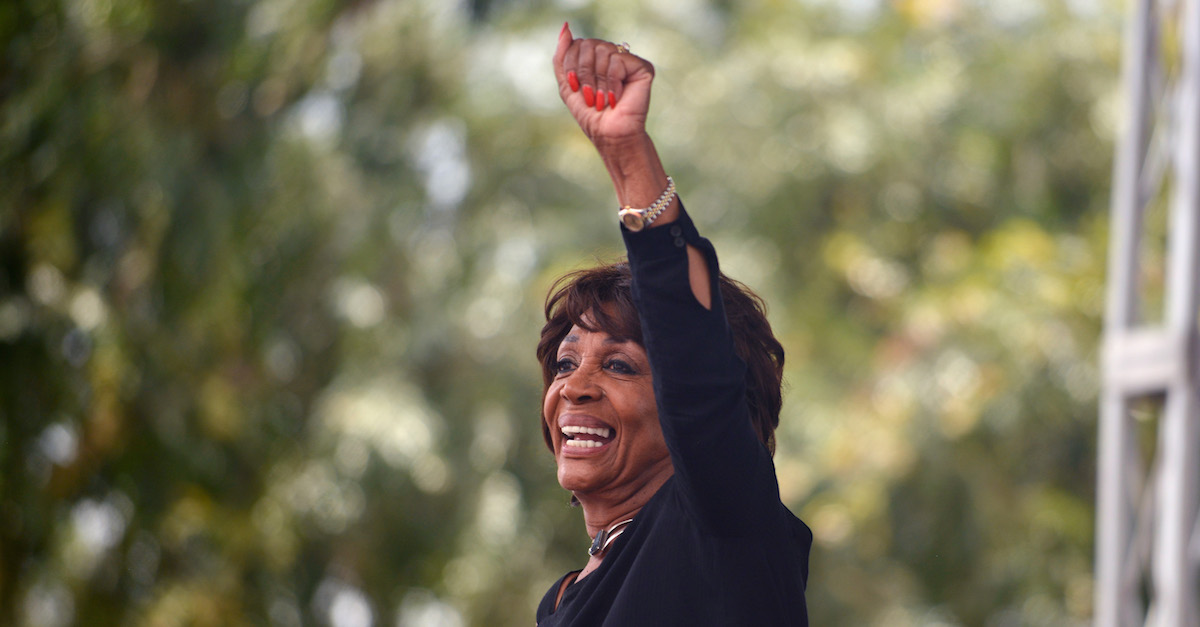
[715, 545]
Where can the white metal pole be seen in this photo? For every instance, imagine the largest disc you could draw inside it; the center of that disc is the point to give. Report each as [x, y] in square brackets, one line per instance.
[1114, 526]
[1175, 578]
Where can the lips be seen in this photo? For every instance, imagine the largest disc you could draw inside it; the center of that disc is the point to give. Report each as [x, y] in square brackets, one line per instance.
[581, 437]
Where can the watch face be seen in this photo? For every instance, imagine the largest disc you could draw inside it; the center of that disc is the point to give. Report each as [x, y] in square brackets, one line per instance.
[632, 219]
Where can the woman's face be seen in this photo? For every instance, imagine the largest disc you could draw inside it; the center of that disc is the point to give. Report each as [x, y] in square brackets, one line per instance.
[602, 418]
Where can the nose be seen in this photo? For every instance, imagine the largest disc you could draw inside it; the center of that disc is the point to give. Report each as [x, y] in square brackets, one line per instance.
[581, 386]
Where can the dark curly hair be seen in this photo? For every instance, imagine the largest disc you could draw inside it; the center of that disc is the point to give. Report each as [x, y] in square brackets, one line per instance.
[605, 294]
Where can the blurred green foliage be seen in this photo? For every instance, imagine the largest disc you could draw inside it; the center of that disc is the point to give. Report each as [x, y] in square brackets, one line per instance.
[271, 275]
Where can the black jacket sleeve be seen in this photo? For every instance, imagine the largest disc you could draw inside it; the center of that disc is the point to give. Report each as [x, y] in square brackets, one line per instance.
[724, 470]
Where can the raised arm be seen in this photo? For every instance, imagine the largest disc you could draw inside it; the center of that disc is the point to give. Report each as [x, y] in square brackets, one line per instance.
[699, 381]
[608, 93]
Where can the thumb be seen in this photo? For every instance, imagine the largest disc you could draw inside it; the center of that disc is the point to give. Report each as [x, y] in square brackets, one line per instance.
[560, 52]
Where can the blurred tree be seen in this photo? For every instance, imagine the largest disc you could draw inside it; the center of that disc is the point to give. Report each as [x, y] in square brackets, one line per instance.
[271, 276]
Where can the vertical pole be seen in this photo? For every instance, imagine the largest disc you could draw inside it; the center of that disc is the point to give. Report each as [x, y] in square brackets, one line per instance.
[1114, 525]
[1175, 578]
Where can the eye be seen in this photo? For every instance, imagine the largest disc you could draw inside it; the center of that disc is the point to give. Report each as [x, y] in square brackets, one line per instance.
[620, 366]
[564, 365]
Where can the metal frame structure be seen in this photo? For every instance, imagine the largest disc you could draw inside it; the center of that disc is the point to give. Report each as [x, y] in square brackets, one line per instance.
[1147, 530]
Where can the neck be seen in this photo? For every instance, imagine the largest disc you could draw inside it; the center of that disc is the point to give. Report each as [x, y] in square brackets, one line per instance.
[597, 524]
[601, 511]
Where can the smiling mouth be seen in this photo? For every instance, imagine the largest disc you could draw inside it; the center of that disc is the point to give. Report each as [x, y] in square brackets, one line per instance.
[586, 437]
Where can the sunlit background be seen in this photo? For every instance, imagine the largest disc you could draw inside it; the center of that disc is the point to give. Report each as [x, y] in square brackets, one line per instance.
[271, 276]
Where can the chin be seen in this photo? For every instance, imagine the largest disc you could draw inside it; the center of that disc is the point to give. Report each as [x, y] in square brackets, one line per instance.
[576, 479]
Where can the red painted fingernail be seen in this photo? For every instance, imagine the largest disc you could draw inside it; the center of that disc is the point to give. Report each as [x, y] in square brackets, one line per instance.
[612, 99]
[573, 81]
[564, 29]
[599, 100]
[589, 97]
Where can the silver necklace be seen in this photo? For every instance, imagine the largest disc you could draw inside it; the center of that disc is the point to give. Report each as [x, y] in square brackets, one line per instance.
[606, 536]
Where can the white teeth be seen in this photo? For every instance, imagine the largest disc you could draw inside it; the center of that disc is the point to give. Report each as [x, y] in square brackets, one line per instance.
[603, 432]
[583, 443]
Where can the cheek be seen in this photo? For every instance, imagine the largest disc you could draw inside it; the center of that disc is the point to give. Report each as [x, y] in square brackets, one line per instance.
[647, 413]
[654, 425]
[550, 405]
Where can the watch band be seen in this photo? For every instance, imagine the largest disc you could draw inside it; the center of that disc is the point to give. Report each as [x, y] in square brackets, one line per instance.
[638, 219]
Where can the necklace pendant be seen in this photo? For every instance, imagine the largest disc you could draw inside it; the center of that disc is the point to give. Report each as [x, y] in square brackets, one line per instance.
[598, 543]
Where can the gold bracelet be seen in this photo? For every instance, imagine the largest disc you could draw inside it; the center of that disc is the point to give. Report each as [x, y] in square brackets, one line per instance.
[638, 219]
